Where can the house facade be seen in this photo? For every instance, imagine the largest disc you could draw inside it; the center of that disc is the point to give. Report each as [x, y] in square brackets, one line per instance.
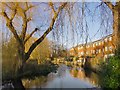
[102, 48]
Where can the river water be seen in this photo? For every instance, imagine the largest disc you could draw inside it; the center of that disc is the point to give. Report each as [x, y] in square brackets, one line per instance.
[65, 77]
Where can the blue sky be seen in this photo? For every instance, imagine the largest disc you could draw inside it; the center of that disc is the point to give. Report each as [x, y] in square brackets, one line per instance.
[97, 21]
[67, 35]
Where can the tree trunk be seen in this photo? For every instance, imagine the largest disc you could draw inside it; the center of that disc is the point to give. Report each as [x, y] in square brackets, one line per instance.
[116, 29]
[17, 83]
[21, 58]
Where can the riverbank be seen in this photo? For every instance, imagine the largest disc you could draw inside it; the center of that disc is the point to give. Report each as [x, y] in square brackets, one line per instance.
[65, 77]
[30, 71]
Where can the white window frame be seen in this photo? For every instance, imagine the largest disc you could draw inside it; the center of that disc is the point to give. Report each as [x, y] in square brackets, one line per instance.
[106, 39]
[110, 38]
[106, 48]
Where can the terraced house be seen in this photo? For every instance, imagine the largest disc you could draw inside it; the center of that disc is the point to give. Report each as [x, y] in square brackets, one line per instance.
[102, 48]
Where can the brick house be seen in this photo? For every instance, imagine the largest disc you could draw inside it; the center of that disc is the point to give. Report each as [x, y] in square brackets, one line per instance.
[101, 48]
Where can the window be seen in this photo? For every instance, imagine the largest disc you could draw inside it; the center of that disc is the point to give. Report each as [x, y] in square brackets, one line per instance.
[87, 52]
[103, 49]
[102, 42]
[99, 43]
[106, 48]
[88, 46]
[81, 47]
[79, 53]
[105, 56]
[93, 51]
[96, 43]
[106, 40]
[82, 53]
[99, 50]
[93, 45]
[110, 48]
[71, 53]
[110, 38]
[72, 49]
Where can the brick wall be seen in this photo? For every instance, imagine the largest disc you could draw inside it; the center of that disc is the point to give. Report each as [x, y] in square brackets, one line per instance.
[100, 48]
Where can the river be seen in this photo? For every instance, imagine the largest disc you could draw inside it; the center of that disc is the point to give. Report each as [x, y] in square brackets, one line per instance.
[65, 77]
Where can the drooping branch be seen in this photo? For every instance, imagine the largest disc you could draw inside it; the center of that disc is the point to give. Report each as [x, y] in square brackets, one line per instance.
[34, 45]
[30, 35]
[109, 4]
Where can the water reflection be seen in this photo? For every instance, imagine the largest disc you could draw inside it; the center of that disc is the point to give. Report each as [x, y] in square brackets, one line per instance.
[38, 82]
[66, 77]
[85, 75]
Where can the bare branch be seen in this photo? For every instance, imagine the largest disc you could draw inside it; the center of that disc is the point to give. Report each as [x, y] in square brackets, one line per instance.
[61, 7]
[52, 7]
[10, 26]
[13, 8]
[109, 4]
[24, 26]
[8, 5]
[34, 45]
[25, 21]
[29, 8]
[31, 35]
[29, 19]
[14, 13]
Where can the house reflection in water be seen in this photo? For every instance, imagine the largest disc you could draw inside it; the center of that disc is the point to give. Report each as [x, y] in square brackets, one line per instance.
[87, 76]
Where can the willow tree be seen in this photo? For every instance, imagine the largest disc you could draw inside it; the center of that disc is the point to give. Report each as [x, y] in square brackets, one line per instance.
[115, 8]
[10, 11]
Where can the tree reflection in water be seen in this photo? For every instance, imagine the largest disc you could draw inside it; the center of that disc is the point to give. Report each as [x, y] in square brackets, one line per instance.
[37, 82]
[87, 75]
[66, 77]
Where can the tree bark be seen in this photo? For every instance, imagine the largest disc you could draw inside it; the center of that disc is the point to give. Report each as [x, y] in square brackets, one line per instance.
[116, 28]
[116, 24]
[21, 58]
[17, 83]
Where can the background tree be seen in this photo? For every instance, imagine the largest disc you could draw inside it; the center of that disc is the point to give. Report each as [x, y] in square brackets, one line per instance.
[41, 52]
[9, 56]
[63, 22]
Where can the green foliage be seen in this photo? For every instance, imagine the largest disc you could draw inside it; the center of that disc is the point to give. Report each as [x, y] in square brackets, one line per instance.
[41, 52]
[9, 59]
[33, 70]
[110, 73]
[59, 51]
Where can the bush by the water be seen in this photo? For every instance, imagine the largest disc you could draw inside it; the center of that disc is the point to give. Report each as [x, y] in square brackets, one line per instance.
[110, 73]
[33, 70]
[30, 70]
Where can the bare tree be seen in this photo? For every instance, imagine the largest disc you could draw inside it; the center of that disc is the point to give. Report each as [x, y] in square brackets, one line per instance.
[21, 9]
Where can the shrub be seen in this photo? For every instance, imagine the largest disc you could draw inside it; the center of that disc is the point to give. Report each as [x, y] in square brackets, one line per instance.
[33, 70]
[110, 73]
